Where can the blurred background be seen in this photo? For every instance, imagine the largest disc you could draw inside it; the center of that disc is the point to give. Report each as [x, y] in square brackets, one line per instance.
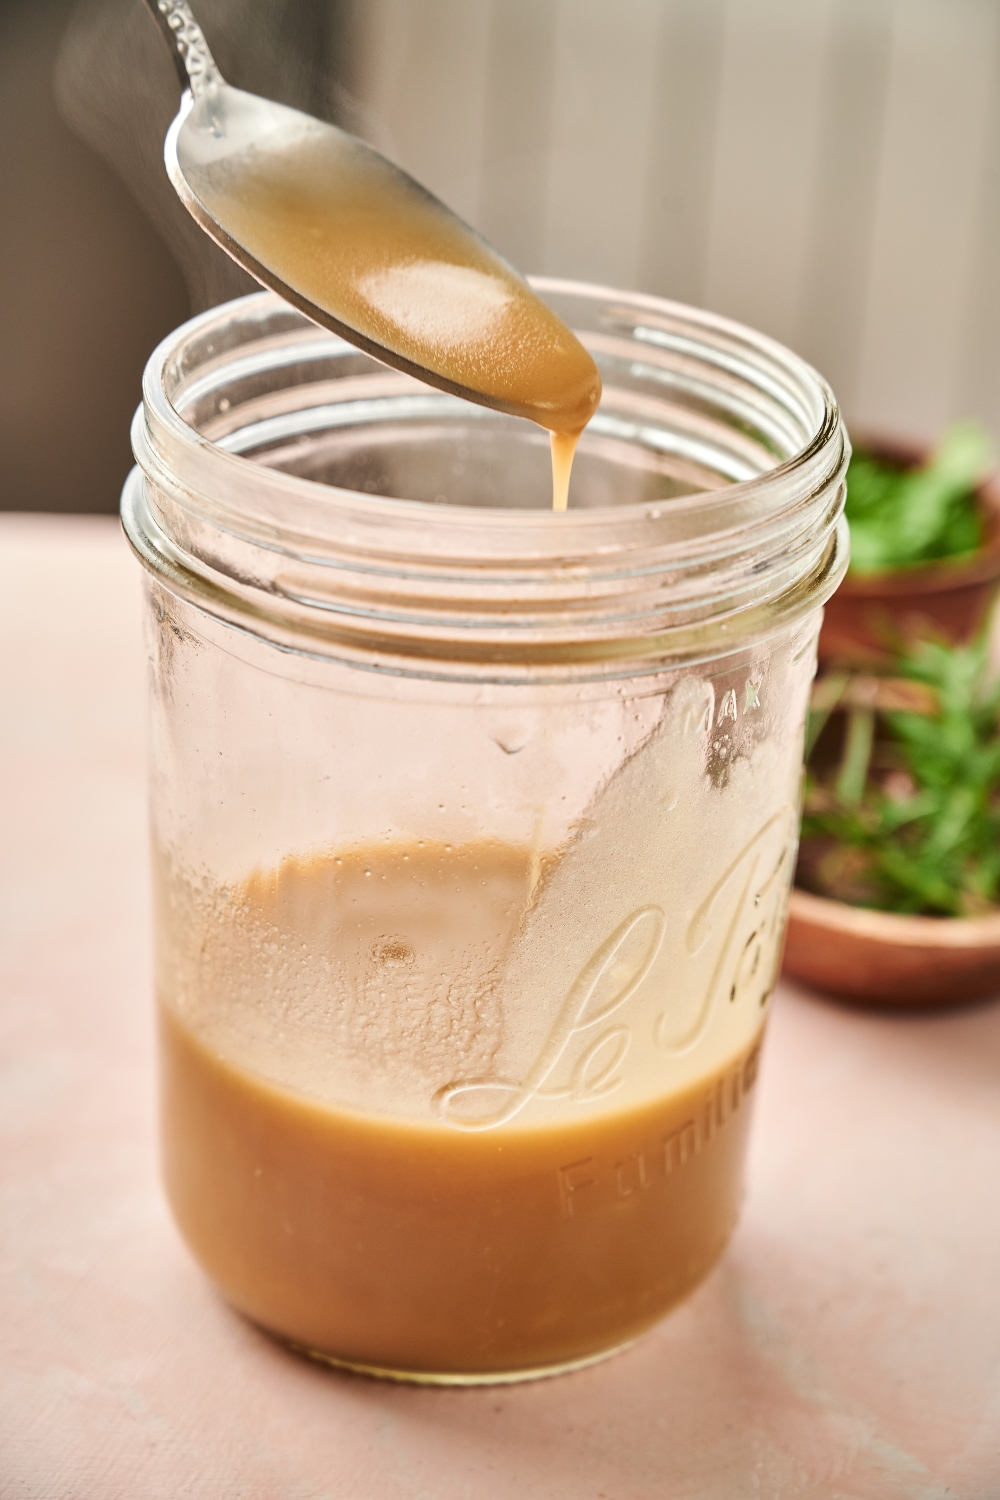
[826, 170]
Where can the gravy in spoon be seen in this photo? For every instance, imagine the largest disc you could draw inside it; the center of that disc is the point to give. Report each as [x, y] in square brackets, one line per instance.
[366, 244]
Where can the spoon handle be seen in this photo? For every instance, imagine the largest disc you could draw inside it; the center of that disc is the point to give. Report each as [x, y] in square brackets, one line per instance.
[192, 59]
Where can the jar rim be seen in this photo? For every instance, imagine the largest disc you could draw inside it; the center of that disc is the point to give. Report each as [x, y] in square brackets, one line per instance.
[406, 574]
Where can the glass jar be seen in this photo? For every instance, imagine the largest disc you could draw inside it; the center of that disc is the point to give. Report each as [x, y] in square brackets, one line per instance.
[473, 824]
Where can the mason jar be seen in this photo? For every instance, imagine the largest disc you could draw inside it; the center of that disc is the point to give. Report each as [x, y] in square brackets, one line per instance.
[472, 824]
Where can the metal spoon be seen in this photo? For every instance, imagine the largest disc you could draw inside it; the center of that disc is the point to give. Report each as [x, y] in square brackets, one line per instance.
[363, 249]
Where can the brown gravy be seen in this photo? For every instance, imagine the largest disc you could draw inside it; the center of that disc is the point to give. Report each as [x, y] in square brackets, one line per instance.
[406, 1244]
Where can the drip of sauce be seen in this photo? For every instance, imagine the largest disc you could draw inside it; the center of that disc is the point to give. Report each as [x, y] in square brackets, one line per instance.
[391, 1239]
[359, 239]
[563, 453]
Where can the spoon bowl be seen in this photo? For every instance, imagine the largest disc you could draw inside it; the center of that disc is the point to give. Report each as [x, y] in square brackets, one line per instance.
[362, 249]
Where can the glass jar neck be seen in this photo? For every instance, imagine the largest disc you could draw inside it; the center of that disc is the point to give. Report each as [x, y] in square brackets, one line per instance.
[294, 487]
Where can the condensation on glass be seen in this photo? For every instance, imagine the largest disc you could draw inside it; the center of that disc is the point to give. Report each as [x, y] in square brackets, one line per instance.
[473, 825]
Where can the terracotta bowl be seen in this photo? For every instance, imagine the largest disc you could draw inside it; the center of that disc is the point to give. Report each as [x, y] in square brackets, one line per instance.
[950, 598]
[885, 959]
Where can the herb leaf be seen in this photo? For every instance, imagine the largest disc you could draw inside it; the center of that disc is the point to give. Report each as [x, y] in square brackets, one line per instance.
[908, 820]
[899, 517]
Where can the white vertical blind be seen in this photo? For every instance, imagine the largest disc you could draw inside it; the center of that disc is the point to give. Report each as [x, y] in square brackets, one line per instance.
[598, 156]
[827, 170]
[931, 173]
[843, 195]
[682, 133]
[767, 135]
[513, 189]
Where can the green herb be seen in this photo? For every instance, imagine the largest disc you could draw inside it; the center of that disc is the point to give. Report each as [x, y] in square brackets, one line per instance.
[903, 516]
[908, 819]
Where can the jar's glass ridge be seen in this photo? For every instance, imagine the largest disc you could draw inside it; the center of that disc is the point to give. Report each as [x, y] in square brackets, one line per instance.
[706, 495]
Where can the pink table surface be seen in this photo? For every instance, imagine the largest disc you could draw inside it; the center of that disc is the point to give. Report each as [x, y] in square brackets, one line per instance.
[848, 1346]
